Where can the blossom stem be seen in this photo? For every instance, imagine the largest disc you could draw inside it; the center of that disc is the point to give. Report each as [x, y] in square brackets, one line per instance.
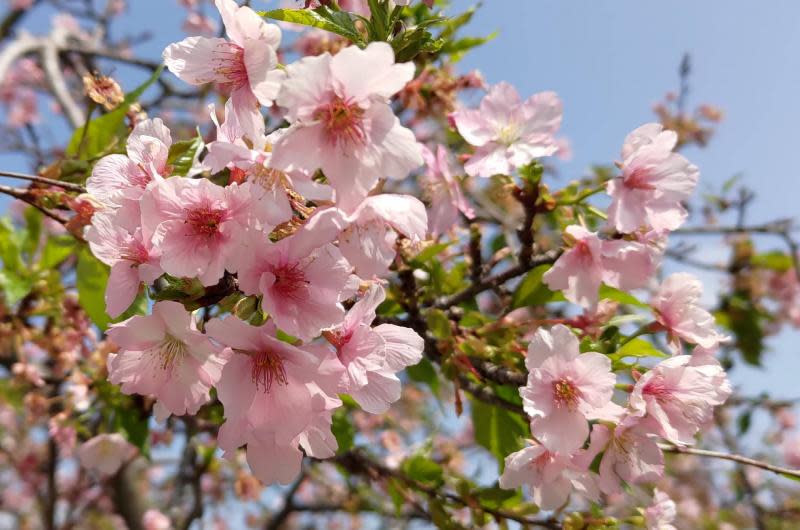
[582, 197]
[643, 330]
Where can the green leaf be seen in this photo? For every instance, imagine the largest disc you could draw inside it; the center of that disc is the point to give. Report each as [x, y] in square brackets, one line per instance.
[15, 278]
[637, 348]
[414, 41]
[747, 321]
[424, 372]
[498, 430]
[531, 291]
[743, 421]
[103, 133]
[775, 260]
[422, 469]
[92, 277]
[790, 477]
[33, 232]
[612, 293]
[14, 286]
[495, 497]
[56, 250]
[438, 323]
[343, 430]
[429, 253]
[456, 49]
[134, 428]
[183, 153]
[338, 22]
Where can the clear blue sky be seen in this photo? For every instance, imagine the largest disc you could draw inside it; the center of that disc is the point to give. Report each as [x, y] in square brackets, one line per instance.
[611, 60]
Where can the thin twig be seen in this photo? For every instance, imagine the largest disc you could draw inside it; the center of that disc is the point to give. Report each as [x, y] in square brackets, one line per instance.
[44, 180]
[495, 281]
[276, 522]
[24, 196]
[785, 471]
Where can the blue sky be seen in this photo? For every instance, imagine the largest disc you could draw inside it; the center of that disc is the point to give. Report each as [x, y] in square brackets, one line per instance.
[611, 60]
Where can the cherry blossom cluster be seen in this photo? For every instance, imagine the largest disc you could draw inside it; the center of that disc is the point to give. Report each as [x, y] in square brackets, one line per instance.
[279, 381]
[567, 389]
[297, 218]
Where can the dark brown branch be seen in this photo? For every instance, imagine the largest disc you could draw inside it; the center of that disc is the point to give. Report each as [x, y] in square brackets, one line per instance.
[25, 196]
[778, 227]
[44, 180]
[52, 493]
[497, 280]
[739, 459]
[12, 18]
[358, 462]
[277, 521]
[497, 373]
[527, 197]
[128, 501]
[487, 395]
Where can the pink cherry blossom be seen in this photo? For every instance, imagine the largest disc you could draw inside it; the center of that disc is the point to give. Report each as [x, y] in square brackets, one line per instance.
[116, 179]
[132, 259]
[242, 145]
[631, 454]
[246, 63]
[300, 277]
[654, 182]
[661, 513]
[550, 476]
[677, 308]
[155, 520]
[591, 261]
[444, 192]
[272, 398]
[164, 355]
[509, 133]
[565, 389]
[372, 356]
[241, 138]
[105, 453]
[341, 121]
[791, 451]
[198, 225]
[369, 240]
[679, 394]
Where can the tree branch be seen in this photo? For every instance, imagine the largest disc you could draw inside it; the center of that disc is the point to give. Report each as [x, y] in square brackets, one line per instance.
[785, 471]
[492, 282]
[44, 180]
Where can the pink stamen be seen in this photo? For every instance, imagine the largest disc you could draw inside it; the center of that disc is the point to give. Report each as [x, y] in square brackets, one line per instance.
[228, 64]
[267, 368]
[343, 121]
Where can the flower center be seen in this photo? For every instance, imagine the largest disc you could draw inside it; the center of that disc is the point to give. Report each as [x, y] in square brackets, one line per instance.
[343, 121]
[289, 280]
[657, 388]
[337, 338]
[205, 221]
[267, 367]
[228, 63]
[542, 461]
[136, 253]
[566, 394]
[171, 352]
[638, 179]
[507, 135]
[267, 177]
